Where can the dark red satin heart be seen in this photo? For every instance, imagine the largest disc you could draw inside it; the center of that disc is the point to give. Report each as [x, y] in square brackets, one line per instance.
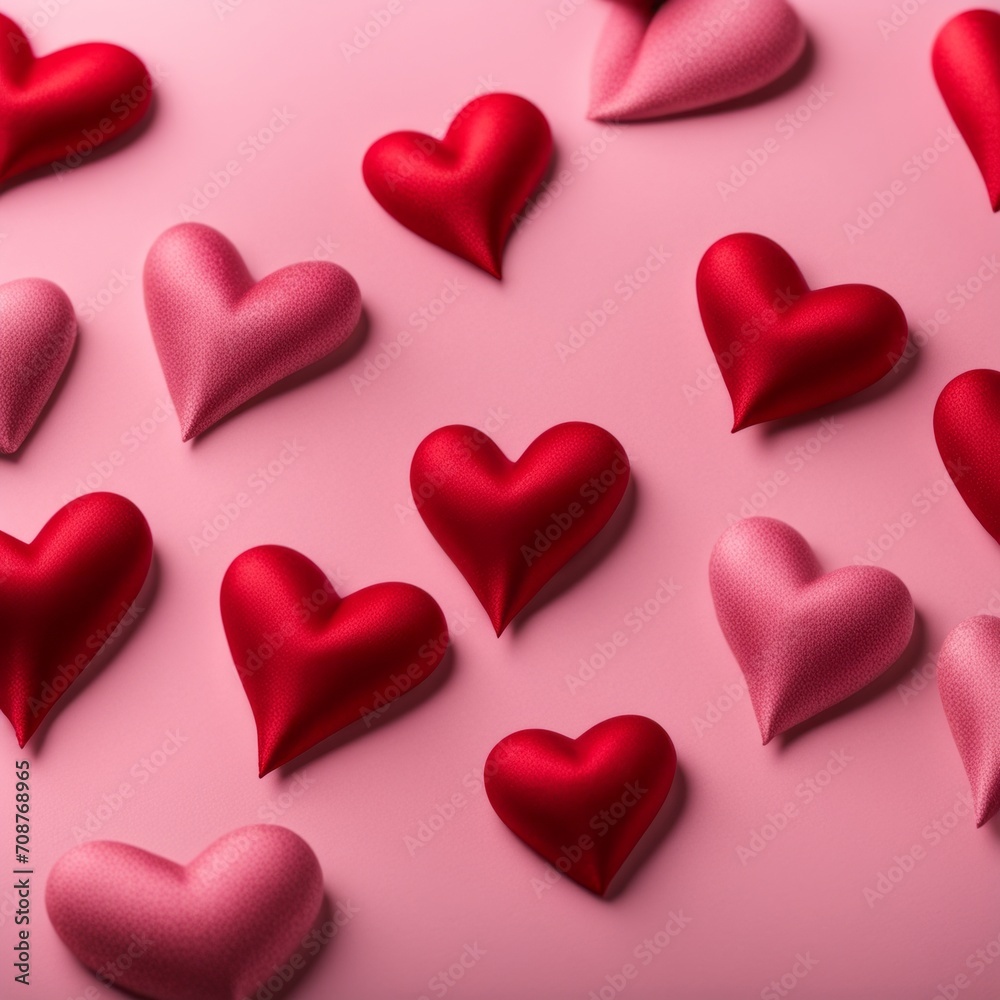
[966, 61]
[967, 431]
[62, 596]
[783, 349]
[511, 526]
[582, 804]
[312, 662]
[67, 103]
[464, 191]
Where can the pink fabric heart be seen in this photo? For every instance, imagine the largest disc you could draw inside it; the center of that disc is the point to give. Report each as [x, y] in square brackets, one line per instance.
[212, 930]
[804, 641]
[37, 333]
[969, 682]
[221, 338]
[662, 59]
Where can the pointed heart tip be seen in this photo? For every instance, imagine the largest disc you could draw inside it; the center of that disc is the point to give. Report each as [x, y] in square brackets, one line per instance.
[606, 111]
[749, 419]
[190, 431]
[499, 618]
[266, 762]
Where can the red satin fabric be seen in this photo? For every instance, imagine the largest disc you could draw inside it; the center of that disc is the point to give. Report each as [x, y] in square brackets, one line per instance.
[582, 804]
[783, 349]
[62, 596]
[966, 61]
[69, 102]
[464, 191]
[967, 431]
[312, 662]
[511, 526]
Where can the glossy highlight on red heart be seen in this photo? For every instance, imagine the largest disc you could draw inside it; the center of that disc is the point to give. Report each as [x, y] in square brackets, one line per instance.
[64, 105]
[312, 662]
[463, 192]
[508, 526]
[782, 348]
[966, 62]
[583, 804]
[63, 596]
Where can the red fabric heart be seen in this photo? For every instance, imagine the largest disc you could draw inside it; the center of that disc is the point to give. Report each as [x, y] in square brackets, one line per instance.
[967, 431]
[464, 191]
[966, 61]
[312, 662]
[62, 596]
[511, 526]
[582, 804]
[783, 349]
[66, 103]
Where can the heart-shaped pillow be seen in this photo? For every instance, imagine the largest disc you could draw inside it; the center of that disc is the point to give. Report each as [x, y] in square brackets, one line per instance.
[969, 683]
[312, 662]
[967, 431]
[583, 804]
[63, 596]
[783, 349]
[966, 61]
[804, 640]
[37, 334]
[65, 105]
[223, 338]
[511, 526]
[464, 191]
[214, 929]
[655, 59]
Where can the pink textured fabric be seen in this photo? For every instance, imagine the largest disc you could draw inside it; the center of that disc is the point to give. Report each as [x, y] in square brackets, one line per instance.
[969, 682]
[213, 930]
[654, 60]
[221, 338]
[804, 641]
[37, 333]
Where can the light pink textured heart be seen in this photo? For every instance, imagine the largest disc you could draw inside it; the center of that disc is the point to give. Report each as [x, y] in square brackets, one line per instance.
[804, 641]
[661, 59]
[212, 930]
[37, 333]
[969, 682]
[221, 338]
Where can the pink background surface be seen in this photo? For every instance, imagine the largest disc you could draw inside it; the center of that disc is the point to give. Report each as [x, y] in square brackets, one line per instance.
[494, 351]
